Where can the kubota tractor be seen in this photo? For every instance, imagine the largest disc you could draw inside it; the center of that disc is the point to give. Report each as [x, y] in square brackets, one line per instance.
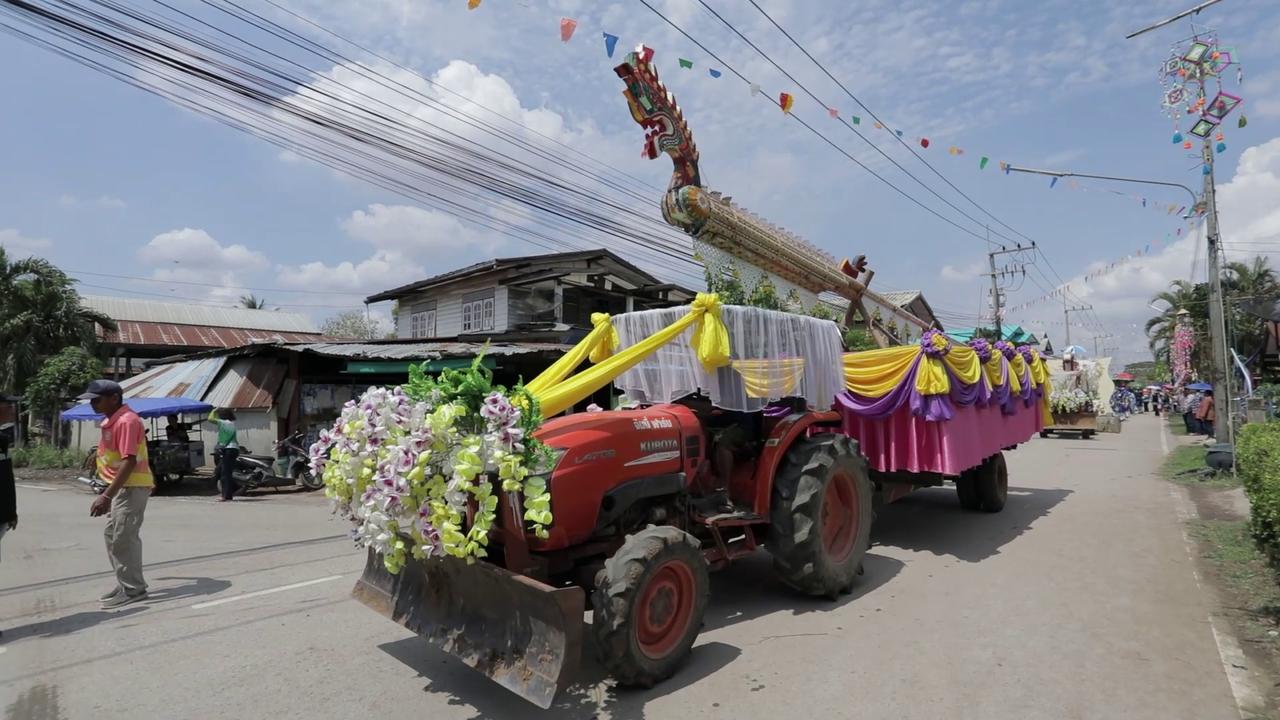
[640, 519]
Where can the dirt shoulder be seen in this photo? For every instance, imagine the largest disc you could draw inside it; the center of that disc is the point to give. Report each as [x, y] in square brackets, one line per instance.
[1246, 587]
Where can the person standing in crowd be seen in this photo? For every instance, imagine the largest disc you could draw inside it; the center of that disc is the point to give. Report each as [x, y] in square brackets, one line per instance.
[1157, 401]
[122, 464]
[1206, 414]
[1191, 404]
[228, 449]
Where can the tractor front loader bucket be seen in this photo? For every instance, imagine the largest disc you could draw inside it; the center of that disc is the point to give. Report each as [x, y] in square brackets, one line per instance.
[523, 634]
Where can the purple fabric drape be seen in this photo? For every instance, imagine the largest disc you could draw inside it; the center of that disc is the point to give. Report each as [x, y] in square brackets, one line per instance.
[935, 408]
[883, 406]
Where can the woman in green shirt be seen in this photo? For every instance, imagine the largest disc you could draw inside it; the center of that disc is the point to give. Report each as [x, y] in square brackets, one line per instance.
[228, 450]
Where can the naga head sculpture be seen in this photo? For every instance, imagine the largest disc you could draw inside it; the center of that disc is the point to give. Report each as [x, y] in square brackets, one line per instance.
[655, 110]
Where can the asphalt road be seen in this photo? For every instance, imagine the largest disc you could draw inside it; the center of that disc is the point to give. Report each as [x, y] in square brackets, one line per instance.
[1078, 601]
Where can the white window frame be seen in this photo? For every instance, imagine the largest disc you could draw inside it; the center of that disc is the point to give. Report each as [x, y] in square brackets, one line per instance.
[422, 324]
[479, 314]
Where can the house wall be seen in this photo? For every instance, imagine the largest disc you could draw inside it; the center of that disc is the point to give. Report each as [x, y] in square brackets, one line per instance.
[448, 307]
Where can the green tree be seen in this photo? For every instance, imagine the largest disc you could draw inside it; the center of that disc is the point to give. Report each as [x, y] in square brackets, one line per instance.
[859, 339]
[1242, 283]
[60, 377]
[253, 302]
[40, 314]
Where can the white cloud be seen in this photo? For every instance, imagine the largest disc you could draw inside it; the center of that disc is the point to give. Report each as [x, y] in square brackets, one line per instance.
[18, 245]
[409, 243]
[194, 256]
[964, 273]
[1250, 225]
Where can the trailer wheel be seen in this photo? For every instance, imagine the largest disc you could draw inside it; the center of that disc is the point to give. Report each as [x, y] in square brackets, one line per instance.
[967, 489]
[648, 604]
[1044, 433]
[821, 515]
[992, 481]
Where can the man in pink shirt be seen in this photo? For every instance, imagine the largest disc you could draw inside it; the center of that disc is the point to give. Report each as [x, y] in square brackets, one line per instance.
[122, 463]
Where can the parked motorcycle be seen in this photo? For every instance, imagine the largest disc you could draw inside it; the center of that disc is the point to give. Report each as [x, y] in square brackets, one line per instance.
[289, 465]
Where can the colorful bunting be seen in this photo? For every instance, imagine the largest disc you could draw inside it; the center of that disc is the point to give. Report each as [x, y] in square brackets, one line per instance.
[755, 89]
[982, 164]
[834, 113]
[610, 42]
[473, 4]
[714, 73]
[878, 125]
[567, 26]
[856, 120]
[785, 101]
[899, 133]
[924, 142]
[686, 64]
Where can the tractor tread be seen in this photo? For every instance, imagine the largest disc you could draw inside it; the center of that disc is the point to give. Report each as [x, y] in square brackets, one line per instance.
[616, 587]
[798, 555]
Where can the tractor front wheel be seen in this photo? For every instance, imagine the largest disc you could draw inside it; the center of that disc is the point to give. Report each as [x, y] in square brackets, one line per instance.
[648, 605]
[821, 515]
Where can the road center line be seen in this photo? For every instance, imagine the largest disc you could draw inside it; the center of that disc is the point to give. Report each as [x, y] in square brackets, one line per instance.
[268, 591]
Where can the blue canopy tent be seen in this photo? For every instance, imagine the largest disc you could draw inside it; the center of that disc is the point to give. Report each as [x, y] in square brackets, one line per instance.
[1200, 386]
[145, 407]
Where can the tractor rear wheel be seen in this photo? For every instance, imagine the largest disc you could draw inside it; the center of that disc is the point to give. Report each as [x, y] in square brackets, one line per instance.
[648, 605]
[821, 515]
[991, 479]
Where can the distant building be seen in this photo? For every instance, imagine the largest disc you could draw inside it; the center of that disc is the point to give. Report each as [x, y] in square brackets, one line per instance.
[538, 297]
[149, 330]
[1012, 333]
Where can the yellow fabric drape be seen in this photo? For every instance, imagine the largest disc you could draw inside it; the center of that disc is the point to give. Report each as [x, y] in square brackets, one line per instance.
[995, 370]
[963, 361]
[599, 344]
[873, 373]
[1045, 411]
[710, 342]
[770, 378]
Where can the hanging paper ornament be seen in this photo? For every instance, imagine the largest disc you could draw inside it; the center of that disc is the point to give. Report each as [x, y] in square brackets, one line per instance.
[834, 113]
[714, 73]
[878, 125]
[610, 42]
[473, 4]
[755, 88]
[899, 133]
[567, 26]
[1177, 138]
[1186, 145]
[1053, 182]
[952, 150]
[1242, 121]
[686, 64]
[1220, 136]
[982, 164]
[1221, 147]
[785, 101]
[856, 120]
[924, 142]
[1206, 170]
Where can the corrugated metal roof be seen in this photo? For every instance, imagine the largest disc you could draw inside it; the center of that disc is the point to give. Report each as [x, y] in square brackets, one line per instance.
[190, 314]
[421, 350]
[901, 298]
[133, 332]
[190, 379]
[247, 383]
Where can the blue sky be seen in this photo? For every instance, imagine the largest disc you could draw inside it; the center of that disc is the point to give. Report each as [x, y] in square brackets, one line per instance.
[103, 178]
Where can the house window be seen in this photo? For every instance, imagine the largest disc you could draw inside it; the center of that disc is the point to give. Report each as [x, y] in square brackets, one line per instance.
[478, 313]
[422, 324]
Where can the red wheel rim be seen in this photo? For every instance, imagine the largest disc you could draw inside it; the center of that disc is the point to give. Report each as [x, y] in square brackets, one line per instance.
[665, 608]
[839, 517]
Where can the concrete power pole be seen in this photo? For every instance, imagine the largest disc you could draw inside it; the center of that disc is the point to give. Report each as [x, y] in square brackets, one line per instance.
[1066, 316]
[995, 284]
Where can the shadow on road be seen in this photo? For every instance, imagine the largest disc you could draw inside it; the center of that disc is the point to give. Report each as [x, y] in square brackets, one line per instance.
[160, 592]
[931, 520]
[745, 591]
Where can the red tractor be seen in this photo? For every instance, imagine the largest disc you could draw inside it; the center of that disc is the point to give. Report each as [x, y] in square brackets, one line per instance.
[641, 517]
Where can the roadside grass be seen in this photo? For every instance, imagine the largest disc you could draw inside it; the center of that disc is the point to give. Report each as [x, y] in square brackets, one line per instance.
[1180, 466]
[1176, 425]
[1244, 572]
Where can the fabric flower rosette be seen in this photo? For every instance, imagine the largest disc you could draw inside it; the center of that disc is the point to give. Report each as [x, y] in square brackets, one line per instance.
[935, 375]
[415, 468]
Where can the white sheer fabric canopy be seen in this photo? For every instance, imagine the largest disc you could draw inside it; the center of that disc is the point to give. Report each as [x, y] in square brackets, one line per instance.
[775, 355]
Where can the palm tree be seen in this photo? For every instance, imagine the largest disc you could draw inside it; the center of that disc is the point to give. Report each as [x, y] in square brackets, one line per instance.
[1245, 282]
[1181, 295]
[40, 314]
[252, 302]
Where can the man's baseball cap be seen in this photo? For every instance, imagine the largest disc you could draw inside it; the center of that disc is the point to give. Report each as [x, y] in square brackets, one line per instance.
[98, 388]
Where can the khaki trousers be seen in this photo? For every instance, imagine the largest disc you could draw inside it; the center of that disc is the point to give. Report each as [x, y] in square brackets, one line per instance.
[124, 545]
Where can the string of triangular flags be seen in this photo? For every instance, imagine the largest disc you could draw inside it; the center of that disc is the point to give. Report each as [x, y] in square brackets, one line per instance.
[569, 29]
[1147, 250]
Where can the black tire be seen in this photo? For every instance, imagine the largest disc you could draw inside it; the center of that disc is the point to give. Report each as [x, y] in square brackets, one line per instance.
[303, 476]
[967, 489]
[1044, 433]
[992, 481]
[810, 553]
[658, 576]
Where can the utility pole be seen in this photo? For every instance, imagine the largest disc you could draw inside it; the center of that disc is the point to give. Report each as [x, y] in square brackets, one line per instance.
[995, 284]
[1066, 316]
